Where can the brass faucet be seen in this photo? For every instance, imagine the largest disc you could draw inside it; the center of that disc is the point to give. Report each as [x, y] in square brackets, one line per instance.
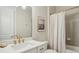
[18, 39]
[21, 39]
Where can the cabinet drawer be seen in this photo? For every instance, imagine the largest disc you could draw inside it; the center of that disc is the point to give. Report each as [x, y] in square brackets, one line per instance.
[42, 48]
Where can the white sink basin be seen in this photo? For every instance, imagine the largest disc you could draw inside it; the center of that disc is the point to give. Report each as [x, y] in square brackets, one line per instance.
[24, 46]
[21, 46]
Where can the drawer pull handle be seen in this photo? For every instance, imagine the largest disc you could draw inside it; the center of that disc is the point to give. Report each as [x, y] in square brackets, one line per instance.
[41, 48]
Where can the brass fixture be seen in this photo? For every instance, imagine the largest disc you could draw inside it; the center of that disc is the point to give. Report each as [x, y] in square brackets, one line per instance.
[2, 45]
[18, 39]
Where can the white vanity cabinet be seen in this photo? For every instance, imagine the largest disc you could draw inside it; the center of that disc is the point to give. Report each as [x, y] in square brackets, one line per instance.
[38, 49]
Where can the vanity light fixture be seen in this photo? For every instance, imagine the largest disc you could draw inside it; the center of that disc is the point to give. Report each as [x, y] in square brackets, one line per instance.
[23, 7]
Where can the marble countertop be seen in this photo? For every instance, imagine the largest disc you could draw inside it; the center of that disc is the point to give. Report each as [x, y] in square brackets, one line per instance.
[19, 48]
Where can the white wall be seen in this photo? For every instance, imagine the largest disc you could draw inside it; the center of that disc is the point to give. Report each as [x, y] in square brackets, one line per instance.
[39, 11]
[24, 21]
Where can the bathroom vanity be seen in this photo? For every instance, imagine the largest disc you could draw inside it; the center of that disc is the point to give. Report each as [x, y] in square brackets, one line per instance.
[18, 22]
[29, 46]
[35, 47]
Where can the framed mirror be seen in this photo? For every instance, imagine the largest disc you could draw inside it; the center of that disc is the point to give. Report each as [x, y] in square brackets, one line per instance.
[15, 20]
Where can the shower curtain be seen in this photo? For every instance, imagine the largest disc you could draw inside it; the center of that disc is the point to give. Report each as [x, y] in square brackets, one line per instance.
[57, 32]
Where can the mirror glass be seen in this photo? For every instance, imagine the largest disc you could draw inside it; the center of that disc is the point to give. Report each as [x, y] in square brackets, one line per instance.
[15, 20]
[24, 21]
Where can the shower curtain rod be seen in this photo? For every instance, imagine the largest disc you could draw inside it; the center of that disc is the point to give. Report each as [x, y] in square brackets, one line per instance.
[66, 10]
[71, 8]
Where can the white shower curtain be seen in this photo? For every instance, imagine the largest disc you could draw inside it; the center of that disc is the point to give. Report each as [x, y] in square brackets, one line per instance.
[57, 32]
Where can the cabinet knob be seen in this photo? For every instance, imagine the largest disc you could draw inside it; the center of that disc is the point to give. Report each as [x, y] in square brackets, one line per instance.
[41, 48]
